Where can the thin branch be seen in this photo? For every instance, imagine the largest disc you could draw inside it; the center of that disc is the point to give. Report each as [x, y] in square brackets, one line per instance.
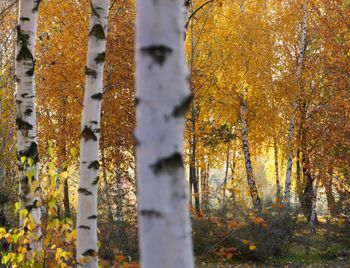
[194, 13]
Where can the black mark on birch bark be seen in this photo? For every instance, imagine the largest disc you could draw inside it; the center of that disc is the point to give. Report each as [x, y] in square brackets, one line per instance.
[84, 191]
[98, 32]
[88, 134]
[168, 164]
[97, 96]
[151, 213]
[100, 58]
[24, 54]
[159, 53]
[90, 252]
[180, 111]
[84, 227]
[23, 125]
[22, 38]
[95, 181]
[94, 164]
[91, 72]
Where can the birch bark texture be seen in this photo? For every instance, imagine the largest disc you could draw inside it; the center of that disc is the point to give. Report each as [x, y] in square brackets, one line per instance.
[246, 150]
[162, 99]
[90, 136]
[27, 148]
[302, 50]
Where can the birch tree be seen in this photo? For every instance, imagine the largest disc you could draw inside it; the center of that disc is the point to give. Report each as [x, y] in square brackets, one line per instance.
[302, 50]
[246, 150]
[90, 133]
[162, 99]
[27, 148]
[244, 127]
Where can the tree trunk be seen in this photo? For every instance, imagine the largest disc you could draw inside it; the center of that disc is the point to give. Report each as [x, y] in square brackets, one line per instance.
[106, 188]
[248, 164]
[328, 183]
[194, 112]
[299, 182]
[306, 200]
[162, 101]
[289, 161]
[302, 50]
[225, 178]
[278, 186]
[204, 186]
[27, 149]
[119, 193]
[90, 133]
[313, 217]
[67, 213]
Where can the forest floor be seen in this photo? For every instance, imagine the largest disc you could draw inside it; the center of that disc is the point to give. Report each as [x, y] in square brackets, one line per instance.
[330, 247]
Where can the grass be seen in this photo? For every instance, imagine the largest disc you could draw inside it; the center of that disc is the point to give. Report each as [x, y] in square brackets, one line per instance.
[330, 247]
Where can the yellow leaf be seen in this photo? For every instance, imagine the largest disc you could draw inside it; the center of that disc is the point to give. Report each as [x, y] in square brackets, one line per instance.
[252, 247]
[22, 250]
[2, 232]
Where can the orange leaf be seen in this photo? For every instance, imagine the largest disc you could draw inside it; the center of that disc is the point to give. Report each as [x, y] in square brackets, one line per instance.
[120, 258]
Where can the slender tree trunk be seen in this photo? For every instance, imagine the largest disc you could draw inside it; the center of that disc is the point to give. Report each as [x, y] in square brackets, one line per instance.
[328, 183]
[90, 133]
[313, 217]
[58, 206]
[27, 149]
[190, 184]
[278, 186]
[225, 178]
[119, 193]
[289, 161]
[302, 50]
[204, 186]
[194, 113]
[162, 101]
[66, 204]
[299, 182]
[248, 164]
[106, 188]
[193, 175]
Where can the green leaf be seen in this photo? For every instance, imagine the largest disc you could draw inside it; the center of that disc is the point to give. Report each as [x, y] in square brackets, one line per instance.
[23, 159]
[30, 162]
[5, 259]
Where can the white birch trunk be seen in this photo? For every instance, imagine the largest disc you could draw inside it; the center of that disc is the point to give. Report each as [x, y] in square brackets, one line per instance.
[119, 187]
[290, 160]
[246, 150]
[163, 98]
[90, 134]
[302, 50]
[313, 207]
[27, 149]
[278, 185]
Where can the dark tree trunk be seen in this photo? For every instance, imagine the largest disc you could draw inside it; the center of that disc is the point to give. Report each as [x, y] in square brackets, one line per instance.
[67, 213]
